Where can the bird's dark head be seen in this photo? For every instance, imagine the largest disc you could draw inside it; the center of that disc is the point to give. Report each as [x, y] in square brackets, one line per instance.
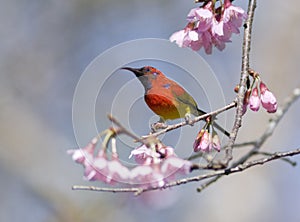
[147, 75]
[144, 71]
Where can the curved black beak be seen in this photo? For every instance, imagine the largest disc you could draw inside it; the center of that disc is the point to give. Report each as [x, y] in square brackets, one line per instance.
[137, 72]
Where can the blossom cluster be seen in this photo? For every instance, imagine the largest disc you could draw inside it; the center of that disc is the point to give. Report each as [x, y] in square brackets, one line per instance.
[209, 26]
[259, 95]
[156, 165]
[207, 139]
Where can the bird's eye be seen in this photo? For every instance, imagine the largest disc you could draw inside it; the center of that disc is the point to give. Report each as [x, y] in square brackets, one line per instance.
[147, 69]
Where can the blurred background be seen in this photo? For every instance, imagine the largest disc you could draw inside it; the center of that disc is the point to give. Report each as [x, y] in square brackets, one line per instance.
[46, 45]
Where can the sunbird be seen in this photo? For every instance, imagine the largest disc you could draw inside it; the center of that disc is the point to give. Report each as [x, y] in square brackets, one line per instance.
[167, 98]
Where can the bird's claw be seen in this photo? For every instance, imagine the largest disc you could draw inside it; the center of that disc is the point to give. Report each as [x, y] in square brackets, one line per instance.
[188, 119]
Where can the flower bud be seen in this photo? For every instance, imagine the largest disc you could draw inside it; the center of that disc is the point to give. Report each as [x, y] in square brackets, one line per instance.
[268, 99]
[254, 100]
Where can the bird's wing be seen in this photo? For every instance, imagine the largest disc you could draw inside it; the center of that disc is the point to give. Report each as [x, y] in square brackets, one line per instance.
[182, 96]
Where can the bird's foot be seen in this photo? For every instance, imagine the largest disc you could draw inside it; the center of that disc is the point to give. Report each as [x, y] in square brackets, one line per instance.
[188, 119]
[157, 126]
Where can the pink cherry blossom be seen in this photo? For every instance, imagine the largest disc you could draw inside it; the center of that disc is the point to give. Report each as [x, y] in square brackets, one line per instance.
[202, 17]
[217, 27]
[143, 154]
[254, 100]
[268, 99]
[157, 179]
[185, 37]
[174, 165]
[179, 37]
[206, 41]
[218, 42]
[210, 27]
[233, 16]
[158, 164]
[90, 173]
[146, 176]
[97, 170]
[84, 154]
[140, 173]
[116, 171]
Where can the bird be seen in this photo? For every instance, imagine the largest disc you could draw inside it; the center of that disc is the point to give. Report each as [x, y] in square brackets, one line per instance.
[165, 97]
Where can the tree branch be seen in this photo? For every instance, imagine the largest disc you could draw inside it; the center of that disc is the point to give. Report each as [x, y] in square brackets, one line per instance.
[239, 168]
[243, 81]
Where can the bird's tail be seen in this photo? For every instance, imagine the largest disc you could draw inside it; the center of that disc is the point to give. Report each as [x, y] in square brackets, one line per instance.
[225, 132]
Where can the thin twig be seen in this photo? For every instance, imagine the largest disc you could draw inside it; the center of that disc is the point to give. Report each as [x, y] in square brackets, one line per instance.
[196, 119]
[238, 145]
[285, 159]
[105, 189]
[208, 183]
[122, 129]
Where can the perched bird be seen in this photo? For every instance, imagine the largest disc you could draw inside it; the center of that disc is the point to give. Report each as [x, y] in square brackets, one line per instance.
[165, 97]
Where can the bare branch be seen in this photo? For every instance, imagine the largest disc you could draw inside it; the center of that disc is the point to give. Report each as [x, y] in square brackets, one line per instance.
[105, 189]
[122, 129]
[285, 159]
[208, 183]
[239, 145]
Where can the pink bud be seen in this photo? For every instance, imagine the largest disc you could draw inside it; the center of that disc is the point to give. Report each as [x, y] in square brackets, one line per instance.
[202, 142]
[197, 140]
[216, 142]
[254, 100]
[244, 108]
[246, 101]
[268, 99]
